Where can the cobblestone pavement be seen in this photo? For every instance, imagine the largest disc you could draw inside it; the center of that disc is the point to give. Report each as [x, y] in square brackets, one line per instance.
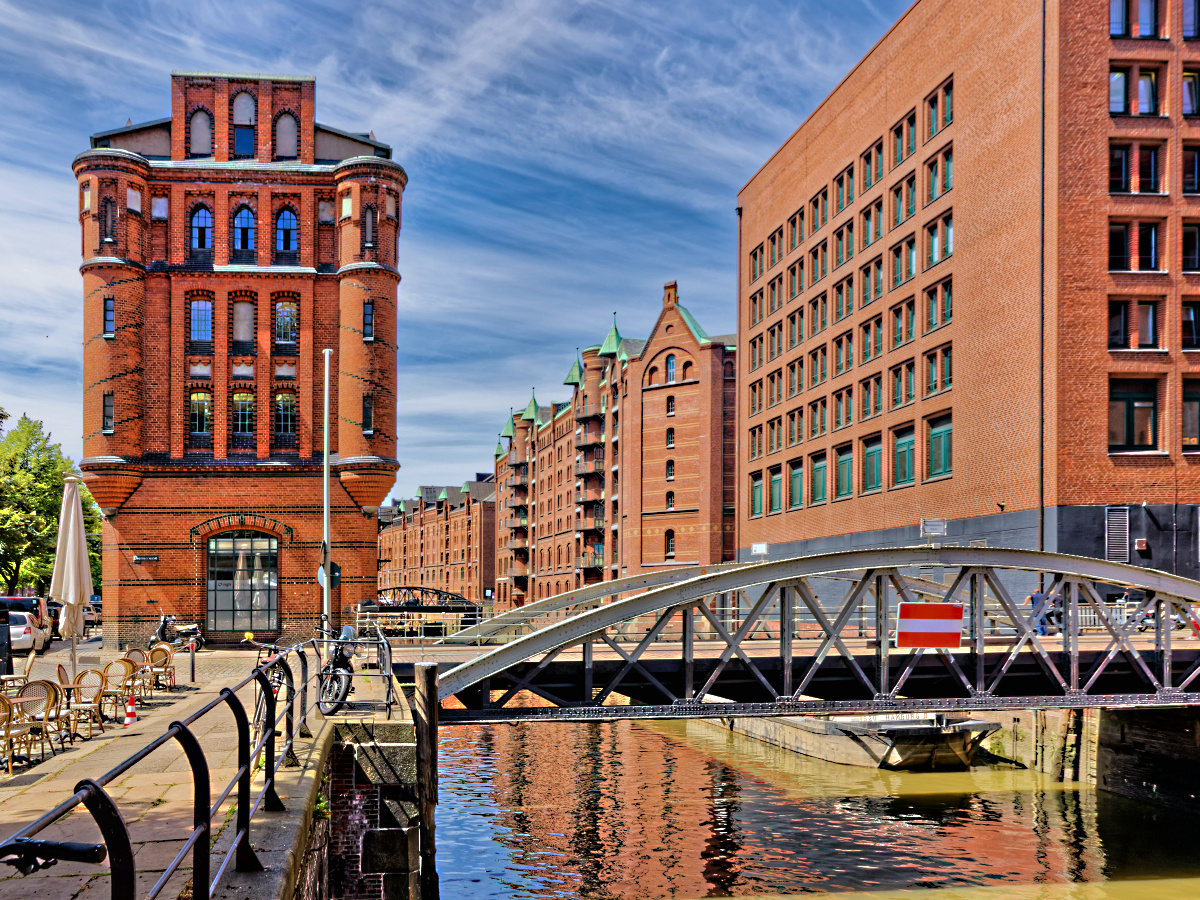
[155, 797]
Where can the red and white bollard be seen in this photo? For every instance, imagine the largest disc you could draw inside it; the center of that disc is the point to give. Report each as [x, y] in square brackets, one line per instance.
[130, 714]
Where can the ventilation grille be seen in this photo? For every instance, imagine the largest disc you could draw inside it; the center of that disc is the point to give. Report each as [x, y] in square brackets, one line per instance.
[1116, 533]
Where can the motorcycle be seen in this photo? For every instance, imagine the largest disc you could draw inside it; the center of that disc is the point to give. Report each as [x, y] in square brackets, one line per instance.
[337, 672]
[182, 635]
[1146, 622]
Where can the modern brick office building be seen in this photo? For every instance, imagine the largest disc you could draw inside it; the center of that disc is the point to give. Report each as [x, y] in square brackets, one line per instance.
[635, 471]
[969, 290]
[444, 538]
[224, 247]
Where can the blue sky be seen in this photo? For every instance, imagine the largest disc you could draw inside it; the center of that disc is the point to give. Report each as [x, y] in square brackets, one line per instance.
[565, 159]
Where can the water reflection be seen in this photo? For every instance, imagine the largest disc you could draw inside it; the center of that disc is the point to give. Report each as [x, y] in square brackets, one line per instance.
[687, 810]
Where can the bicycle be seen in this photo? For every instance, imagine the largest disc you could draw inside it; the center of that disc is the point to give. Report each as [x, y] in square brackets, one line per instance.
[258, 724]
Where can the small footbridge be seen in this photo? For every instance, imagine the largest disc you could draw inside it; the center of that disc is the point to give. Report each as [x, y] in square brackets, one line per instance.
[817, 634]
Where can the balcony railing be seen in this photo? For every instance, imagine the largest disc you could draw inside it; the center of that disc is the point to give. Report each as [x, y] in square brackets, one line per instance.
[588, 439]
[515, 522]
[588, 496]
[591, 522]
[517, 481]
[590, 561]
[518, 544]
[590, 468]
[588, 411]
[518, 570]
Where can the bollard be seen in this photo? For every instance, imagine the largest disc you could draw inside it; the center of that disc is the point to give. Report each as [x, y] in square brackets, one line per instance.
[426, 716]
[192, 660]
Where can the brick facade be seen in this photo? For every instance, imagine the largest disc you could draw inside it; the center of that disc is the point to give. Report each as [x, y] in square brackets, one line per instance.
[208, 335]
[634, 472]
[444, 538]
[1028, 210]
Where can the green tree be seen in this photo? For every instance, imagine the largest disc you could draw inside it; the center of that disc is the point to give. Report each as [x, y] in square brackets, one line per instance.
[31, 488]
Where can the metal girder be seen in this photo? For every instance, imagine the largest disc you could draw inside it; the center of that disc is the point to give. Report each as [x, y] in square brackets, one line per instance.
[977, 570]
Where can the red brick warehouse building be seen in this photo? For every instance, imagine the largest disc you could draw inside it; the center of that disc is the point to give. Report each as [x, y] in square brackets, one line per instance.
[970, 289]
[223, 249]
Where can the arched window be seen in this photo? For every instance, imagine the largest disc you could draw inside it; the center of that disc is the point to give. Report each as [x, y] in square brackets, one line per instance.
[285, 413]
[670, 368]
[286, 137]
[243, 582]
[669, 543]
[244, 228]
[651, 376]
[687, 371]
[108, 220]
[243, 326]
[200, 412]
[243, 125]
[243, 413]
[728, 370]
[670, 470]
[670, 437]
[287, 322]
[200, 140]
[670, 406]
[369, 226]
[670, 499]
[201, 229]
[285, 232]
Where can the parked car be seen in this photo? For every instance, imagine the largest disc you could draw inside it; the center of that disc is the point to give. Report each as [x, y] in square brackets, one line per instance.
[99, 609]
[26, 634]
[35, 607]
[54, 608]
[90, 619]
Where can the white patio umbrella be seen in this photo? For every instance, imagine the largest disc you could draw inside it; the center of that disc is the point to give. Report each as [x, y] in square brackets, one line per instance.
[72, 582]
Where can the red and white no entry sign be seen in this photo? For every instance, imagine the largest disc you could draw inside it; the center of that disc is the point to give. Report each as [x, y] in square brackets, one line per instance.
[935, 626]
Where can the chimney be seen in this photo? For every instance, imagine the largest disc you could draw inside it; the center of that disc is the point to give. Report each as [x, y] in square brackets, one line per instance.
[670, 294]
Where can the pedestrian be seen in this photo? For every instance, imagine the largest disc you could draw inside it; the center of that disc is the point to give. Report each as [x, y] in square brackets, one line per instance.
[1037, 615]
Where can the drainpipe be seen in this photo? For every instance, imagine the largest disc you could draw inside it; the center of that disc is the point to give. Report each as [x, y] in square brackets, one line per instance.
[1042, 312]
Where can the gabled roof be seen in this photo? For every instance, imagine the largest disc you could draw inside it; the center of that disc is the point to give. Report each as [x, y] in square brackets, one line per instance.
[689, 320]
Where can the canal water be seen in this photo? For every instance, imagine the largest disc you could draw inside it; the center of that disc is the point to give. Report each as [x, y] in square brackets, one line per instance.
[688, 810]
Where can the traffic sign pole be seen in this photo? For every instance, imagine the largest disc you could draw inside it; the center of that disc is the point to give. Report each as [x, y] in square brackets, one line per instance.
[326, 603]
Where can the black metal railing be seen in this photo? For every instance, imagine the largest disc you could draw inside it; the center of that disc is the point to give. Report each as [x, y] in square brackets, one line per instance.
[29, 855]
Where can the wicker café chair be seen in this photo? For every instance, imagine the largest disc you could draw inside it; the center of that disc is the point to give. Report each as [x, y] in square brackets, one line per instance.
[14, 735]
[162, 666]
[142, 679]
[41, 714]
[85, 700]
[63, 676]
[13, 682]
[118, 685]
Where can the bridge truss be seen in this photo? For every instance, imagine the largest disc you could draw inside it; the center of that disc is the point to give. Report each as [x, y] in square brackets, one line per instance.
[816, 635]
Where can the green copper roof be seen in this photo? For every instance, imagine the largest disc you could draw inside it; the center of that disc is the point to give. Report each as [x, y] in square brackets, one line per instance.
[575, 376]
[442, 494]
[612, 343]
[507, 430]
[693, 326]
[500, 451]
[465, 489]
[530, 414]
[622, 355]
[401, 507]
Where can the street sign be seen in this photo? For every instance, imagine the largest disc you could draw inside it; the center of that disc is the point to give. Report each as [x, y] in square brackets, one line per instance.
[932, 626]
[933, 528]
[335, 573]
[759, 549]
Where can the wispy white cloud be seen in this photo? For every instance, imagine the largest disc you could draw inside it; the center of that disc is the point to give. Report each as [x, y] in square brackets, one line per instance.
[566, 158]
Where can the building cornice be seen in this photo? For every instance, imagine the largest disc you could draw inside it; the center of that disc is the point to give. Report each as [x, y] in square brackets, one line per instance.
[363, 266]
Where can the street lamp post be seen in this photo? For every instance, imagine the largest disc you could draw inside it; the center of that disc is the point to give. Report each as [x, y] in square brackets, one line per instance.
[326, 603]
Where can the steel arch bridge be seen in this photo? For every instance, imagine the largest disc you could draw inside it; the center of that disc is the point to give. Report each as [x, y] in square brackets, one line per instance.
[815, 634]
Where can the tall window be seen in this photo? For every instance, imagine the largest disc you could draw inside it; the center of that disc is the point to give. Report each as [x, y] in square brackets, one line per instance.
[669, 543]
[671, 367]
[368, 226]
[107, 414]
[1191, 93]
[243, 582]
[1118, 168]
[872, 464]
[1132, 415]
[1191, 325]
[1147, 18]
[670, 406]
[243, 230]
[775, 490]
[1147, 92]
[670, 501]
[940, 440]
[243, 413]
[285, 413]
[902, 458]
[1191, 416]
[1147, 169]
[200, 139]
[287, 322]
[1191, 19]
[795, 484]
[368, 414]
[243, 125]
[200, 412]
[756, 494]
[110, 315]
[1191, 168]
[201, 324]
[1118, 246]
[201, 229]
[817, 493]
[368, 320]
[670, 470]
[844, 484]
[1118, 18]
[1118, 92]
[1148, 246]
[285, 232]
[670, 437]
[286, 137]
[108, 220]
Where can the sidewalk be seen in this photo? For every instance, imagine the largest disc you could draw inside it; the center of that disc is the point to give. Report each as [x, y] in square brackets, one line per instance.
[155, 797]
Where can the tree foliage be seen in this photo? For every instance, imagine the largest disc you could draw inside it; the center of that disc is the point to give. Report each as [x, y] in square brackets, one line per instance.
[31, 488]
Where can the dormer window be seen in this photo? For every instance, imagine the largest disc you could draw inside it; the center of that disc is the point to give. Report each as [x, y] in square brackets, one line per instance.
[243, 125]
[200, 138]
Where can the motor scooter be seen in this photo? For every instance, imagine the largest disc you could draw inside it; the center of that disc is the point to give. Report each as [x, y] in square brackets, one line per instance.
[338, 670]
[169, 633]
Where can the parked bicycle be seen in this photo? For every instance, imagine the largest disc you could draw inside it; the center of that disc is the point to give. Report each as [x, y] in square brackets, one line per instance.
[338, 670]
[258, 724]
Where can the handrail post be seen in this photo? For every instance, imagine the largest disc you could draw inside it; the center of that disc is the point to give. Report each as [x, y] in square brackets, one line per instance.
[289, 750]
[305, 731]
[271, 801]
[201, 803]
[116, 838]
[247, 860]
[427, 738]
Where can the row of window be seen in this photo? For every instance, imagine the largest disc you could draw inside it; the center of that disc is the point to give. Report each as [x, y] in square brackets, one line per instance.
[1140, 168]
[938, 376]
[814, 316]
[781, 487]
[1138, 323]
[939, 113]
[1143, 19]
[285, 330]
[1142, 242]
[1139, 91]
[1133, 415]
[242, 413]
[286, 131]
